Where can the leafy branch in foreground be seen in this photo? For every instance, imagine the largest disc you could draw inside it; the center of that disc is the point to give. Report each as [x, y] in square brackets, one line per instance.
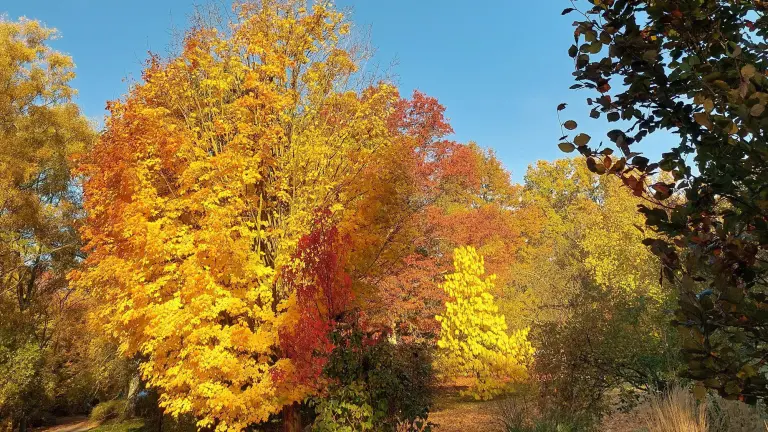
[695, 69]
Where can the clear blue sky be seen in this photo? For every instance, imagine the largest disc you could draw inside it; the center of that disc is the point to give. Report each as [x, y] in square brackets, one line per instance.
[499, 66]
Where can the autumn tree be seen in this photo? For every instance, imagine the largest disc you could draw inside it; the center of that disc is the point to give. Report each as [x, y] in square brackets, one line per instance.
[696, 70]
[206, 180]
[473, 337]
[434, 195]
[40, 128]
[590, 291]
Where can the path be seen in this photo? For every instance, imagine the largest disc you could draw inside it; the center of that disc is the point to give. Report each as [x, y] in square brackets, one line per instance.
[454, 413]
[70, 424]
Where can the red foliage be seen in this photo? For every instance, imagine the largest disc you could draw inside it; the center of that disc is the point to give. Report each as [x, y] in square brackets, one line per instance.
[434, 194]
[323, 292]
[421, 117]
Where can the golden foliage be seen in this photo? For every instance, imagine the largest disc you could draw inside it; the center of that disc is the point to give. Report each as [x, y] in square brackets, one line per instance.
[40, 129]
[473, 334]
[204, 181]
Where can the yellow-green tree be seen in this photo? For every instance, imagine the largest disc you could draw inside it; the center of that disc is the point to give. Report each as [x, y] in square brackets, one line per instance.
[589, 290]
[40, 128]
[473, 336]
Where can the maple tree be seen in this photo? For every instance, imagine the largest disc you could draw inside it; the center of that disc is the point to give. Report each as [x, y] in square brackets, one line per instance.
[270, 232]
[474, 335]
[200, 191]
[323, 294]
[40, 128]
[432, 196]
[696, 70]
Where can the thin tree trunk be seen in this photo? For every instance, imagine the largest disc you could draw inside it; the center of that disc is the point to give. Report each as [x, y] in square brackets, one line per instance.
[133, 394]
[291, 418]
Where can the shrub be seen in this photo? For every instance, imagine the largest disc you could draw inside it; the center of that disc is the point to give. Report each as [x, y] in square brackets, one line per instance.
[519, 414]
[110, 410]
[734, 416]
[375, 384]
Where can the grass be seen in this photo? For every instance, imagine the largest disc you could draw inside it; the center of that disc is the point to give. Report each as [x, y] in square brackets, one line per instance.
[676, 410]
[132, 425]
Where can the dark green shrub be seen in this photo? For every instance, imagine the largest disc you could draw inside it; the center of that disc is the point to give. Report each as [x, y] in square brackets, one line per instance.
[377, 385]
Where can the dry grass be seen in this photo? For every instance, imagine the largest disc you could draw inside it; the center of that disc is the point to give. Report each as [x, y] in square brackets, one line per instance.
[676, 411]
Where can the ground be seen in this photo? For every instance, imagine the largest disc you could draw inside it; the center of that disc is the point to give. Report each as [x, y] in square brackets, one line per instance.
[455, 413]
[451, 412]
[82, 424]
[71, 424]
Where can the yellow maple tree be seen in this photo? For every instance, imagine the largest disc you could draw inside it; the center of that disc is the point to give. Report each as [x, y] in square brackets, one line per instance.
[204, 181]
[473, 335]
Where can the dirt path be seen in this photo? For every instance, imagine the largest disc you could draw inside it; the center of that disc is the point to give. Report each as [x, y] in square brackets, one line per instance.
[454, 413]
[465, 419]
[70, 424]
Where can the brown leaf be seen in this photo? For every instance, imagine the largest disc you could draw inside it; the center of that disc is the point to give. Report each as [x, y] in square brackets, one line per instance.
[619, 165]
[702, 118]
[581, 139]
[709, 105]
[748, 71]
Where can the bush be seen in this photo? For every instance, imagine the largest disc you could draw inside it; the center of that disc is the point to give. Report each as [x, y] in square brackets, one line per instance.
[110, 410]
[376, 385]
[519, 414]
[734, 416]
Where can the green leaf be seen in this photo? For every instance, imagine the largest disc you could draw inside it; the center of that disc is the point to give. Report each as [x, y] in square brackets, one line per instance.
[595, 47]
[722, 85]
[613, 116]
[735, 50]
[650, 56]
[732, 388]
[699, 392]
[566, 147]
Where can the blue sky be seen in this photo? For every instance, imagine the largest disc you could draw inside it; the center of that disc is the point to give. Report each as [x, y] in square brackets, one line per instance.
[499, 66]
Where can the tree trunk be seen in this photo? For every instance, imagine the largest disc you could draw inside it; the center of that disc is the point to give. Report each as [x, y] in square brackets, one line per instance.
[133, 394]
[291, 418]
[23, 423]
